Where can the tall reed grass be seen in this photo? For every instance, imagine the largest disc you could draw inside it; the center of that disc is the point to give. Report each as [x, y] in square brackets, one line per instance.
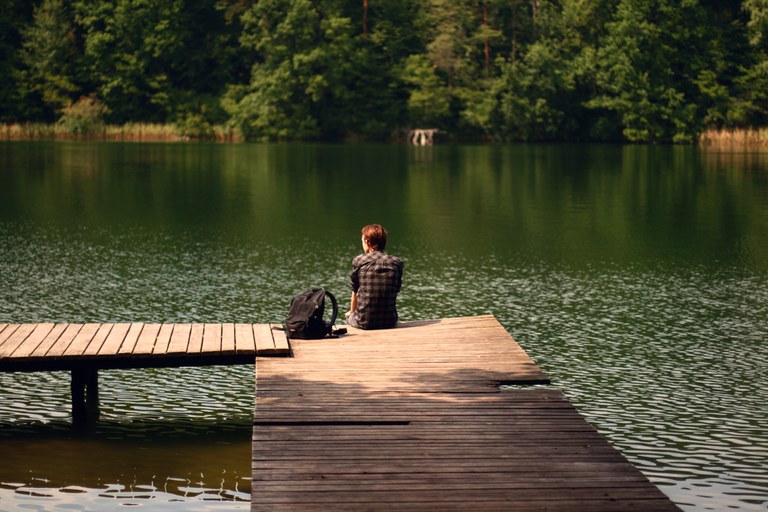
[130, 132]
[734, 138]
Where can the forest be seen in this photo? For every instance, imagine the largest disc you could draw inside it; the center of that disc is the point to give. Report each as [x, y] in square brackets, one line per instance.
[493, 70]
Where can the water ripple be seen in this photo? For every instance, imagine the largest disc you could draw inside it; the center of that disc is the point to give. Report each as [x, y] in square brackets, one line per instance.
[667, 362]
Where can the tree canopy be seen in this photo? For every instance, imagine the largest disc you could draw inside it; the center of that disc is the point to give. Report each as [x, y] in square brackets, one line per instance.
[511, 70]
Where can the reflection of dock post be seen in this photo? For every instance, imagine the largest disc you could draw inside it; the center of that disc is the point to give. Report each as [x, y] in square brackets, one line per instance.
[85, 396]
[422, 136]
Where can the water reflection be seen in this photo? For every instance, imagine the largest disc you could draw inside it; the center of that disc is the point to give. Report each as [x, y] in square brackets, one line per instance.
[166, 437]
[637, 277]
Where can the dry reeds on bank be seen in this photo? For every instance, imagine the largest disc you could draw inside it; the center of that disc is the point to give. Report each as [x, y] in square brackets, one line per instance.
[751, 138]
[130, 132]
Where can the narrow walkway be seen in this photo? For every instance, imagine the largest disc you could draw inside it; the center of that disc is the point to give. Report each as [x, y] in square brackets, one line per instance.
[413, 419]
[48, 346]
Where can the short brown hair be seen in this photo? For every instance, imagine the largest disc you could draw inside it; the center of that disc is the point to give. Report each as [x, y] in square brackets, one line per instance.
[376, 236]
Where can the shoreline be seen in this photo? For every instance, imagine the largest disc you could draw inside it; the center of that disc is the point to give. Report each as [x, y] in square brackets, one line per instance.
[131, 132]
[745, 138]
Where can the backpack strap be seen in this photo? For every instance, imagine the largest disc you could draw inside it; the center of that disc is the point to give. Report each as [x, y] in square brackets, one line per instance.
[335, 311]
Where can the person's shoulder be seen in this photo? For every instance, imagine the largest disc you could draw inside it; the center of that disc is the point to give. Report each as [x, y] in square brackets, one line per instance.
[394, 259]
[359, 259]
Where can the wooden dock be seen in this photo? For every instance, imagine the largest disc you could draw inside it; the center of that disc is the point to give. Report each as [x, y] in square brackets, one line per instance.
[413, 419]
[84, 349]
[410, 418]
[48, 346]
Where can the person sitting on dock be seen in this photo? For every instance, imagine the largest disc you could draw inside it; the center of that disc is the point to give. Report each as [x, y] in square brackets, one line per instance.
[376, 279]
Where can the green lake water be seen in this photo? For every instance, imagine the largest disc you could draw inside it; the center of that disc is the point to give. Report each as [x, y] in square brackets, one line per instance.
[635, 276]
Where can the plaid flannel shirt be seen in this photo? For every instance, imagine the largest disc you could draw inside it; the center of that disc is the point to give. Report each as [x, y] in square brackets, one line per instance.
[376, 278]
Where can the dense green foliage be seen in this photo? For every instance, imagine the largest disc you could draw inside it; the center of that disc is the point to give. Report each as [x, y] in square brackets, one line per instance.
[635, 70]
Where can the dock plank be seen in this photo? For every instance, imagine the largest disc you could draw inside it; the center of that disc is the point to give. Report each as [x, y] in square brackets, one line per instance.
[196, 339]
[16, 338]
[212, 338]
[244, 341]
[280, 338]
[163, 339]
[93, 348]
[146, 342]
[6, 332]
[114, 339]
[45, 345]
[62, 343]
[228, 339]
[130, 340]
[83, 339]
[179, 338]
[33, 340]
[264, 342]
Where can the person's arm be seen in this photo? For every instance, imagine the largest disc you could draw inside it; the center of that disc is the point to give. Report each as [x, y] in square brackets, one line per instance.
[354, 283]
[352, 304]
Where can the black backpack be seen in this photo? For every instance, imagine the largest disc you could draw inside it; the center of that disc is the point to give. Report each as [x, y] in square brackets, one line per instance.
[305, 318]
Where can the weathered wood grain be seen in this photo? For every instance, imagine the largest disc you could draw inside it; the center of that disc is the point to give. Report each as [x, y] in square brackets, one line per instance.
[196, 339]
[32, 341]
[212, 338]
[114, 339]
[163, 340]
[58, 349]
[146, 342]
[82, 340]
[130, 340]
[52, 338]
[265, 343]
[15, 339]
[179, 338]
[228, 339]
[244, 341]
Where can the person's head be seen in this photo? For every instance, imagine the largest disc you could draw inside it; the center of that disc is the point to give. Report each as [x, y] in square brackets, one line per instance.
[375, 237]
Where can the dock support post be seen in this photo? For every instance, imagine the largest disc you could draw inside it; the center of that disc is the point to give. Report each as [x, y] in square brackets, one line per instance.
[85, 396]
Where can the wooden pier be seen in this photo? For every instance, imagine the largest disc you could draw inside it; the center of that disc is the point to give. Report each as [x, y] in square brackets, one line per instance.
[413, 418]
[48, 346]
[84, 349]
